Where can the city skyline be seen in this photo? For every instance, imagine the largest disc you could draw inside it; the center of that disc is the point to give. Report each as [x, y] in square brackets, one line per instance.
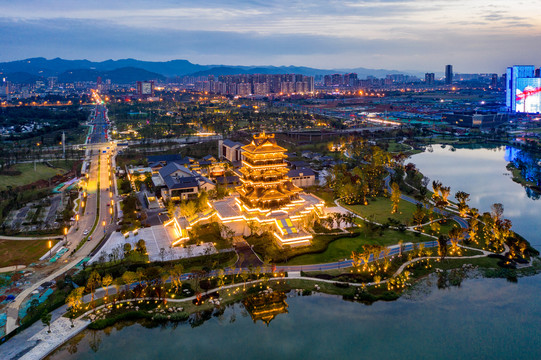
[395, 35]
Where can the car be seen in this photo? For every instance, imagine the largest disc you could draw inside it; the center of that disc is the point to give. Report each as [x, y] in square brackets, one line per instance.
[86, 232]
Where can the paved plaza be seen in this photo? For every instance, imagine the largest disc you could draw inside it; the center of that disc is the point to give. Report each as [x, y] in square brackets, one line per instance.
[156, 238]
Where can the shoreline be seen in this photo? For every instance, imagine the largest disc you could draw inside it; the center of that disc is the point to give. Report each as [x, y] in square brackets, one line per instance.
[519, 179]
[293, 281]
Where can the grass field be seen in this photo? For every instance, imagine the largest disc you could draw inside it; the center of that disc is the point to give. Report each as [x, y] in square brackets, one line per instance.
[22, 252]
[444, 228]
[341, 248]
[28, 175]
[379, 210]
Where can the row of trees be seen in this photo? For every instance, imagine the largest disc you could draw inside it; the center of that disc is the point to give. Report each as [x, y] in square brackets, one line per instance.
[142, 282]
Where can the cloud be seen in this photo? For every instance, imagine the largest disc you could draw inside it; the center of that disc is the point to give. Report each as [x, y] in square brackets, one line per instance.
[399, 34]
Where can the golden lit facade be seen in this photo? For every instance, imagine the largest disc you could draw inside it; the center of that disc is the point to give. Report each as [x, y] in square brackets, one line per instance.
[265, 184]
[267, 199]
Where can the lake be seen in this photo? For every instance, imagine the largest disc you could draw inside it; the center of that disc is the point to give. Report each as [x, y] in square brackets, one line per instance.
[481, 319]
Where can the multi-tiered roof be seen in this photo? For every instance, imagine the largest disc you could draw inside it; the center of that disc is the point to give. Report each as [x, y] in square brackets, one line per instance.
[265, 184]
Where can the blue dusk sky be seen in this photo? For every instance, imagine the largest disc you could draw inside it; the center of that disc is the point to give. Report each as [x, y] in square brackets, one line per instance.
[424, 35]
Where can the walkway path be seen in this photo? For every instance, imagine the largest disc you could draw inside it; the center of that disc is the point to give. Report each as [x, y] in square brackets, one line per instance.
[36, 343]
[12, 268]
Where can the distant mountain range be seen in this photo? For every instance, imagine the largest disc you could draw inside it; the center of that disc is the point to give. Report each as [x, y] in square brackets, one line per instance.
[130, 70]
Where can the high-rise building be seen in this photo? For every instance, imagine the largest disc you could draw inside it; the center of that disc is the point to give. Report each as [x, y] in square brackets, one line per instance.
[494, 81]
[145, 89]
[430, 78]
[337, 79]
[4, 88]
[449, 74]
[327, 80]
[99, 83]
[350, 79]
[51, 82]
[523, 89]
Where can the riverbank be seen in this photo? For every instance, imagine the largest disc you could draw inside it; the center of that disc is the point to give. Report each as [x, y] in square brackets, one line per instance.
[519, 179]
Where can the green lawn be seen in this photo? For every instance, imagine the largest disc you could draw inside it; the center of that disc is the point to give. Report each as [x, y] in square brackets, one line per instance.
[342, 248]
[28, 175]
[208, 233]
[379, 210]
[444, 228]
[22, 252]
[396, 147]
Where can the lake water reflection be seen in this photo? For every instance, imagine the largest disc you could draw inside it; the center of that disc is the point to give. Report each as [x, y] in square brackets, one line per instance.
[482, 319]
[482, 173]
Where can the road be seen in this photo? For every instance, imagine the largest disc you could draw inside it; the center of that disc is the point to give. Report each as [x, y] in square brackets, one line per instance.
[97, 187]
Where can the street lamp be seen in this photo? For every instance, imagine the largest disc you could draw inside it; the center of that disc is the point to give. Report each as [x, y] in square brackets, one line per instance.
[65, 233]
[103, 223]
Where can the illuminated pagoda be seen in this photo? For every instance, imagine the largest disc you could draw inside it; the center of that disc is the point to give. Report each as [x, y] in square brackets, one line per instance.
[265, 184]
[266, 197]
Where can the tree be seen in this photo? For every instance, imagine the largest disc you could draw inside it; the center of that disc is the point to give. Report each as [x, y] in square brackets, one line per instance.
[395, 197]
[141, 247]
[455, 236]
[170, 209]
[462, 198]
[502, 231]
[418, 215]
[127, 249]
[118, 282]
[473, 225]
[188, 208]
[33, 306]
[162, 254]
[105, 282]
[228, 234]
[496, 211]
[244, 275]
[442, 246]
[434, 223]
[94, 280]
[253, 226]
[444, 193]
[74, 300]
[46, 319]
[436, 186]
[176, 274]
[129, 277]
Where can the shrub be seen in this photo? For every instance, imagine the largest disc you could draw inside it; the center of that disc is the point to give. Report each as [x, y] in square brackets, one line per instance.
[179, 316]
[132, 315]
[341, 285]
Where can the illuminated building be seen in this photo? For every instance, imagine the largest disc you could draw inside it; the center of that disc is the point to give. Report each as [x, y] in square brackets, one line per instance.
[145, 89]
[523, 89]
[265, 184]
[266, 199]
